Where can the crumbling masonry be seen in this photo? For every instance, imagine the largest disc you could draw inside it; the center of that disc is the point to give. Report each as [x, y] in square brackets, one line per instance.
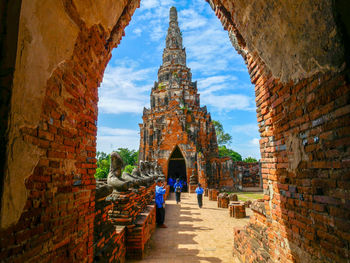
[52, 63]
[175, 120]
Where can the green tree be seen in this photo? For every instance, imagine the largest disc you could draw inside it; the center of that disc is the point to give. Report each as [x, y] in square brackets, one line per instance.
[128, 168]
[250, 160]
[101, 155]
[224, 151]
[129, 156]
[103, 164]
[222, 137]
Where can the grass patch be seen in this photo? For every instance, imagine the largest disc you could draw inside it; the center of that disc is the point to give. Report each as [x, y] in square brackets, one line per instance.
[245, 196]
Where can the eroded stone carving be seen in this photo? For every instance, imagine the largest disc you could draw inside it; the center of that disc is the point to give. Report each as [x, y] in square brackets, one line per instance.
[159, 172]
[114, 177]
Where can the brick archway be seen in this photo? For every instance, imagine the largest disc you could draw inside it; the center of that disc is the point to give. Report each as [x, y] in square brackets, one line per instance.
[302, 92]
[176, 153]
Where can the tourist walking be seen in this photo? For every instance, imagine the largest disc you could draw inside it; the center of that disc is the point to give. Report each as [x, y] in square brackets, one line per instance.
[178, 189]
[199, 191]
[171, 182]
[160, 204]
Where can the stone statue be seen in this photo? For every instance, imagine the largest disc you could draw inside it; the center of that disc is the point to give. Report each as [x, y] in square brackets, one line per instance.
[102, 189]
[159, 172]
[143, 169]
[128, 177]
[151, 169]
[136, 173]
[114, 177]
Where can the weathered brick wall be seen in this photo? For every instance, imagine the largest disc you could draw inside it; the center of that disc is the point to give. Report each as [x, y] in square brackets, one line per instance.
[305, 167]
[247, 174]
[124, 222]
[56, 222]
[304, 126]
[251, 244]
[229, 175]
[139, 233]
[109, 239]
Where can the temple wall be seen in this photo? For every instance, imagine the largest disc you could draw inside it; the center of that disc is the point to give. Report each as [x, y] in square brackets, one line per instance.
[302, 98]
[229, 175]
[48, 199]
[176, 132]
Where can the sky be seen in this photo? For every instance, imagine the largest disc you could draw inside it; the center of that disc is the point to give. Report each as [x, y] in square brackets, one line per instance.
[222, 76]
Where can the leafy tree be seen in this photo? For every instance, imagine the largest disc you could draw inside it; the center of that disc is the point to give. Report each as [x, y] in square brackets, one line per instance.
[250, 160]
[222, 137]
[101, 155]
[103, 164]
[128, 156]
[128, 168]
[223, 152]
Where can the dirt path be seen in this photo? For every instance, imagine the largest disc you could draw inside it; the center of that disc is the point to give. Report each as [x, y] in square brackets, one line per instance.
[193, 234]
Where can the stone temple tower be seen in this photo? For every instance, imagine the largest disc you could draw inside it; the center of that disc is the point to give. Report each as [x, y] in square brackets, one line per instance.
[176, 132]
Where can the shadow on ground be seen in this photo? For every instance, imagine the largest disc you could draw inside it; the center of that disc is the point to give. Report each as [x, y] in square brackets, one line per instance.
[176, 243]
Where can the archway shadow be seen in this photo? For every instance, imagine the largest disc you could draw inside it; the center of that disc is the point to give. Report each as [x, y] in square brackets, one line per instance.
[177, 242]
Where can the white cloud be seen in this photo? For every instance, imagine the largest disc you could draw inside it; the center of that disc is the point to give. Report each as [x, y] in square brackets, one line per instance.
[247, 129]
[124, 89]
[254, 142]
[228, 102]
[212, 80]
[116, 131]
[217, 83]
[190, 19]
[110, 139]
[137, 32]
[148, 4]
[246, 151]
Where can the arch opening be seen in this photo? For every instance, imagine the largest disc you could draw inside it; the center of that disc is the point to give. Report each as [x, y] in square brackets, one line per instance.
[177, 168]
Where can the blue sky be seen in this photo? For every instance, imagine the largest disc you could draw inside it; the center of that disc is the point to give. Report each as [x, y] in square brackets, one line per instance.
[223, 80]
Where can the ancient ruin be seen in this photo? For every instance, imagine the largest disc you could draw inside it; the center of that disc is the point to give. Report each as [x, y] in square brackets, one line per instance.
[52, 63]
[176, 132]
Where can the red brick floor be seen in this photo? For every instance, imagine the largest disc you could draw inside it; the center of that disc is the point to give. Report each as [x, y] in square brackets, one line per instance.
[193, 234]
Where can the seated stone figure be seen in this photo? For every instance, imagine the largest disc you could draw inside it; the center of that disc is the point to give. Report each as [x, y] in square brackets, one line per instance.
[136, 180]
[149, 169]
[102, 189]
[114, 178]
[143, 169]
[136, 173]
[159, 172]
[144, 174]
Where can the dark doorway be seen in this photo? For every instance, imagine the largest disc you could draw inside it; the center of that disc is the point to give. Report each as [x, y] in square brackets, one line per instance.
[177, 169]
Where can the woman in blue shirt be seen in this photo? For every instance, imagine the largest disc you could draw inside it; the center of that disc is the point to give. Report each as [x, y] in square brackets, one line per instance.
[199, 191]
[160, 204]
[177, 189]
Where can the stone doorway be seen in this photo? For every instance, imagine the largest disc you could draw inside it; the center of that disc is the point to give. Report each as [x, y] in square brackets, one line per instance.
[177, 168]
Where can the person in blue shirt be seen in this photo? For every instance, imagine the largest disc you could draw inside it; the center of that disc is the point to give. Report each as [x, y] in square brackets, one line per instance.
[199, 191]
[160, 204]
[177, 189]
[171, 182]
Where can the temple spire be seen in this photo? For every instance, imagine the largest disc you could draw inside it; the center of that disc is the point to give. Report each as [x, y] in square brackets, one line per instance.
[173, 38]
[173, 15]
